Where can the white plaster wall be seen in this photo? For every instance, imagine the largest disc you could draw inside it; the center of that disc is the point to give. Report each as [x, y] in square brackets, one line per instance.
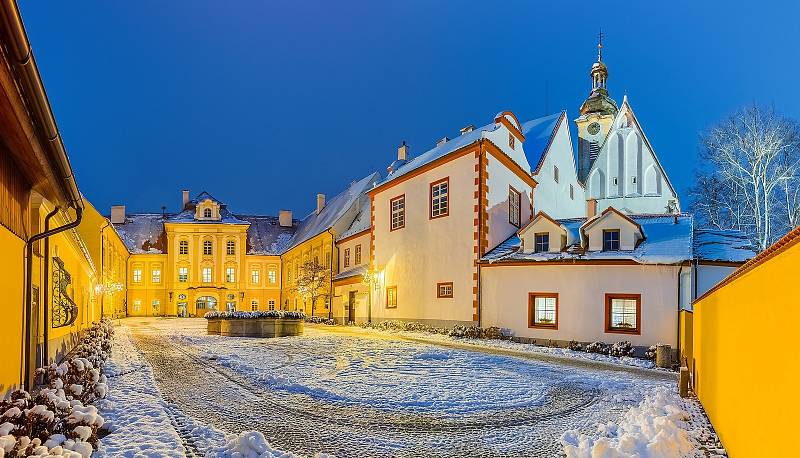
[362, 240]
[499, 137]
[427, 251]
[581, 301]
[500, 178]
[554, 198]
[708, 277]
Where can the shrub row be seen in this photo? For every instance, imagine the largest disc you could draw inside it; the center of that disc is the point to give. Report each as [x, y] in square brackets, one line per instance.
[241, 315]
[619, 349]
[469, 332]
[57, 419]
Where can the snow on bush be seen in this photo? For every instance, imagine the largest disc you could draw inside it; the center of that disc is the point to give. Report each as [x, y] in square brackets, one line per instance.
[598, 347]
[656, 428]
[459, 331]
[320, 320]
[575, 345]
[56, 420]
[620, 349]
[650, 353]
[251, 444]
[241, 315]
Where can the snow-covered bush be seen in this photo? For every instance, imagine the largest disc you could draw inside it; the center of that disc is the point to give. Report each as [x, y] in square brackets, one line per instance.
[650, 353]
[621, 349]
[243, 315]
[57, 419]
[598, 347]
[470, 332]
[494, 332]
[574, 345]
[320, 320]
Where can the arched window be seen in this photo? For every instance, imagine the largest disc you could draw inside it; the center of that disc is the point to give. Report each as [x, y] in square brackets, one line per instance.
[230, 247]
[206, 213]
[206, 302]
[183, 247]
[206, 247]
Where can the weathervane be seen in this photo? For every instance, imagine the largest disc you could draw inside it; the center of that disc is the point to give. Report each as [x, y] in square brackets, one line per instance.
[600, 46]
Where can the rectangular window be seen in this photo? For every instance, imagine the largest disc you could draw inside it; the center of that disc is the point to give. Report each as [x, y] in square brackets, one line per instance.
[183, 274]
[137, 305]
[398, 212]
[511, 141]
[230, 248]
[184, 247]
[273, 276]
[440, 193]
[271, 304]
[514, 207]
[444, 289]
[611, 240]
[156, 275]
[391, 297]
[230, 274]
[624, 313]
[255, 277]
[541, 242]
[207, 247]
[571, 192]
[254, 305]
[555, 173]
[206, 274]
[346, 258]
[543, 310]
[137, 275]
[358, 254]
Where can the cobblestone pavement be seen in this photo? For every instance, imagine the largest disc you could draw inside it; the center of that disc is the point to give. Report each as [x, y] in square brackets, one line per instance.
[484, 423]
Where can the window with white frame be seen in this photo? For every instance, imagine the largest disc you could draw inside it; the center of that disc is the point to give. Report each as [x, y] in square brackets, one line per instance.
[398, 212]
[440, 194]
[206, 274]
[207, 245]
[137, 275]
[543, 310]
[183, 247]
[255, 276]
[137, 305]
[514, 206]
[206, 213]
[346, 258]
[272, 274]
[358, 254]
[623, 313]
[230, 274]
[444, 290]
[156, 275]
[230, 248]
[183, 274]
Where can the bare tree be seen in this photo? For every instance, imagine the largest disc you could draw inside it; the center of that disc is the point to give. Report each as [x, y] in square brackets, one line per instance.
[312, 281]
[748, 176]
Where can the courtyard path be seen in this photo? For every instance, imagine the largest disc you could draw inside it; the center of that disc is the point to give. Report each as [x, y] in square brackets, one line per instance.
[356, 394]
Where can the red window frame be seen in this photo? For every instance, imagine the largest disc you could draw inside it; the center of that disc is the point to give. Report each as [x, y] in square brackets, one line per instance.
[615, 330]
[532, 310]
[430, 198]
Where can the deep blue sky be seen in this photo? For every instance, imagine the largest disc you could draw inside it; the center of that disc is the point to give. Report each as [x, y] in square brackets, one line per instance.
[264, 104]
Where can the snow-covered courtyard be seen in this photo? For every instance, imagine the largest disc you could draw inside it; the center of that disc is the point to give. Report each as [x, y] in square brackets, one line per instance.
[352, 392]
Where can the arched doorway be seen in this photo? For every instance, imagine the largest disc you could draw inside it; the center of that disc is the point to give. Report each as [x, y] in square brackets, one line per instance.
[205, 304]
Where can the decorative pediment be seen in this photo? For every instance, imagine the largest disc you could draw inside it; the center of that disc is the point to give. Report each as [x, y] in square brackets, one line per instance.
[207, 210]
[629, 232]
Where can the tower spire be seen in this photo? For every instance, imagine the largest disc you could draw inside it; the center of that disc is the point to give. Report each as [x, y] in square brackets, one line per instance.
[600, 46]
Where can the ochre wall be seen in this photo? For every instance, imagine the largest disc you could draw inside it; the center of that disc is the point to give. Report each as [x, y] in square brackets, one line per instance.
[12, 276]
[320, 247]
[746, 369]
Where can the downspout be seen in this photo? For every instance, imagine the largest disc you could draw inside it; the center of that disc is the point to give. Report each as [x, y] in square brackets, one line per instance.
[678, 340]
[44, 302]
[102, 270]
[27, 359]
[330, 281]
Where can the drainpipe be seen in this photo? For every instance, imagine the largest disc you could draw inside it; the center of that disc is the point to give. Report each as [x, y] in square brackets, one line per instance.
[27, 359]
[102, 270]
[330, 280]
[45, 288]
[678, 340]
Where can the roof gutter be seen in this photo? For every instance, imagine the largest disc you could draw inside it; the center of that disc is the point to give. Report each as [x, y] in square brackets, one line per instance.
[33, 92]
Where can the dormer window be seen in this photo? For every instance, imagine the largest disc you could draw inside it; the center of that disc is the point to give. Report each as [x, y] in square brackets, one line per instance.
[611, 240]
[207, 213]
[541, 242]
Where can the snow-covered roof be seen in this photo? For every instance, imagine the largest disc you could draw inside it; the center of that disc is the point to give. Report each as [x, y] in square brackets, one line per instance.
[361, 223]
[722, 245]
[350, 273]
[333, 211]
[437, 152]
[188, 213]
[668, 240]
[266, 236]
[538, 134]
[143, 233]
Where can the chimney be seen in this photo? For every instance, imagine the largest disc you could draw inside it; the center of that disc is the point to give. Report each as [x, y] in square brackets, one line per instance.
[320, 202]
[442, 141]
[285, 218]
[402, 151]
[117, 214]
[185, 193]
[467, 129]
[591, 208]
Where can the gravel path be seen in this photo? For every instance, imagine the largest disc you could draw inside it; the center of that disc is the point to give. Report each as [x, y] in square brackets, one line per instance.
[370, 396]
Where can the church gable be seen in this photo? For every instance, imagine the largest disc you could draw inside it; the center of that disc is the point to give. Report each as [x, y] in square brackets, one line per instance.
[627, 168]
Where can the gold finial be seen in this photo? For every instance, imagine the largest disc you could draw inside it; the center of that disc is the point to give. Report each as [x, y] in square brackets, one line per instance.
[600, 46]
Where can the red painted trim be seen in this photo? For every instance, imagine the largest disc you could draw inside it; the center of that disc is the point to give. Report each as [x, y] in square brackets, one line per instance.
[392, 200]
[531, 309]
[438, 290]
[519, 207]
[354, 236]
[636, 331]
[430, 198]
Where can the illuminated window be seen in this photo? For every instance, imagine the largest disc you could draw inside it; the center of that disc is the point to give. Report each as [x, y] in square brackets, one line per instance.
[440, 192]
[514, 198]
[271, 304]
[137, 305]
[156, 305]
[623, 313]
[230, 248]
[254, 305]
[444, 289]
[137, 275]
[206, 213]
[611, 240]
[391, 297]
[207, 247]
[183, 247]
[273, 276]
[206, 274]
[230, 274]
[156, 276]
[543, 310]
[398, 212]
[255, 277]
[183, 274]
[346, 258]
[358, 254]
[541, 242]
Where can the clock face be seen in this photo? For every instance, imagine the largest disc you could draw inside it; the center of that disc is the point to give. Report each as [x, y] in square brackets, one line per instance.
[593, 128]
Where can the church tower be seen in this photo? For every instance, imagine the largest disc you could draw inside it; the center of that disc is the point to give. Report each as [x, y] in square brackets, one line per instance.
[597, 114]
